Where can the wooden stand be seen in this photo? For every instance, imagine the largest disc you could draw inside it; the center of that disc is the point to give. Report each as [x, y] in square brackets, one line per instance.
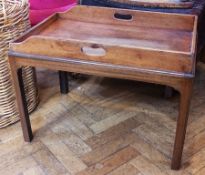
[97, 55]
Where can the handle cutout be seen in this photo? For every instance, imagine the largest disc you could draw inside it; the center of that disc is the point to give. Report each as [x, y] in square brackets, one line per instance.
[93, 51]
[124, 17]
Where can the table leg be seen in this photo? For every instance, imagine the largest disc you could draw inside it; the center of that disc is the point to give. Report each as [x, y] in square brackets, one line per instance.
[21, 100]
[185, 97]
[168, 92]
[24, 116]
[64, 84]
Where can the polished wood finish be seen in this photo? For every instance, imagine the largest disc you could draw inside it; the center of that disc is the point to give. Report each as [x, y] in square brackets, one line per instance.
[142, 46]
[102, 52]
[185, 97]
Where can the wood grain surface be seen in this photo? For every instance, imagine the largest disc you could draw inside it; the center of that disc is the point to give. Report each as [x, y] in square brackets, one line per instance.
[142, 41]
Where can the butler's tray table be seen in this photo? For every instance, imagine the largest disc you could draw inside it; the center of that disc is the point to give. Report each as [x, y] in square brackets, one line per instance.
[144, 46]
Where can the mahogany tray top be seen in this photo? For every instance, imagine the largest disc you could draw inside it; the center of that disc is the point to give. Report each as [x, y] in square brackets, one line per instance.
[144, 46]
[155, 41]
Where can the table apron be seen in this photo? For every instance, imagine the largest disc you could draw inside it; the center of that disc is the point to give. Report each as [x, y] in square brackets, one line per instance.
[172, 79]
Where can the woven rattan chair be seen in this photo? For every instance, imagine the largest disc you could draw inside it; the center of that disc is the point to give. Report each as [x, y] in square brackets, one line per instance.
[14, 20]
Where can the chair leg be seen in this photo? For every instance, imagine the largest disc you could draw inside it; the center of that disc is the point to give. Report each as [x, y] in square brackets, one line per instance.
[185, 97]
[24, 116]
[64, 84]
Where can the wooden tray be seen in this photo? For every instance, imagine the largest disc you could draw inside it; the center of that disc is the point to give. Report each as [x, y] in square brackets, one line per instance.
[159, 3]
[147, 40]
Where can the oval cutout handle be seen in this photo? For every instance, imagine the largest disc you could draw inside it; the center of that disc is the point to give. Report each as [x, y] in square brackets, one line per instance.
[93, 51]
[124, 17]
